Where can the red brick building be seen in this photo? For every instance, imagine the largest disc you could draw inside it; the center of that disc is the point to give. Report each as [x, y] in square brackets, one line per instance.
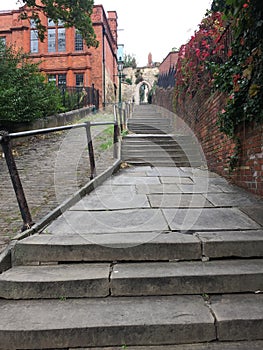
[169, 62]
[64, 56]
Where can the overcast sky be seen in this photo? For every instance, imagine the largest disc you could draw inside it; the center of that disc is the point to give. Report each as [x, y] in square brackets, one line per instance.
[150, 26]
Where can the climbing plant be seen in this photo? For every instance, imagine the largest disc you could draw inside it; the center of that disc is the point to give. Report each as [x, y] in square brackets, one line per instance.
[225, 55]
[241, 76]
[194, 57]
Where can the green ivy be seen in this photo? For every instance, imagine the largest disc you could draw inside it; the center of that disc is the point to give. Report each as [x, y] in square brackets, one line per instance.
[241, 76]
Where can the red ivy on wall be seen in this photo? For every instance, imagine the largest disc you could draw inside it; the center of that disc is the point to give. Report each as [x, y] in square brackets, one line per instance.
[193, 56]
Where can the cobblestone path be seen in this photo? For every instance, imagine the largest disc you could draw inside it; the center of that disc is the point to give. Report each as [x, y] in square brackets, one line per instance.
[51, 168]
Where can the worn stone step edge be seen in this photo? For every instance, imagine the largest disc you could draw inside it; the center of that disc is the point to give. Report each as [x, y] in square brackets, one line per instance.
[161, 163]
[108, 247]
[129, 321]
[150, 246]
[215, 277]
[165, 155]
[131, 279]
[157, 150]
[215, 345]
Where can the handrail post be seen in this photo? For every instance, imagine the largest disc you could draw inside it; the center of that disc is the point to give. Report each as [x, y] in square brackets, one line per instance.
[93, 172]
[125, 119]
[17, 185]
[116, 139]
[120, 116]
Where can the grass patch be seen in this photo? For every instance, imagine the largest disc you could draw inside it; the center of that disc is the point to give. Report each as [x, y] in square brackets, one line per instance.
[106, 138]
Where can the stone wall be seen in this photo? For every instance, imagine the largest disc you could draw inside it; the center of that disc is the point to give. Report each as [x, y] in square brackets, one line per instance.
[48, 122]
[149, 75]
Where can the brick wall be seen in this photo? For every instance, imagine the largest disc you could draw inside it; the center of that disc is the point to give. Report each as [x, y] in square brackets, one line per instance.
[200, 113]
[169, 61]
[164, 97]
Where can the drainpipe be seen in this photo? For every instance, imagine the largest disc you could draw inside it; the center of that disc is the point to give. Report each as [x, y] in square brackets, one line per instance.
[103, 69]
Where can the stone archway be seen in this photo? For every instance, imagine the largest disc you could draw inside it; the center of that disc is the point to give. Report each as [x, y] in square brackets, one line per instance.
[137, 98]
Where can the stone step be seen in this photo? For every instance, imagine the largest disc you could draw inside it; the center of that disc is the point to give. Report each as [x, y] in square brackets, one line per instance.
[147, 116]
[133, 145]
[150, 124]
[55, 281]
[149, 130]
[149, 127]
[162, 163]
[159, 139]
[147, 246]
[151, 148]
[131, 279]
[159, 156]
[148, 121]
[214, 277]
[215, 345]
[154, 155]
[146, 144]
[151, 140]
[127, 321]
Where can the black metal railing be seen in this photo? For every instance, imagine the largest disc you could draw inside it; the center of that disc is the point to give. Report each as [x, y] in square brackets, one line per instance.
[5, 141]
[121, 114]
[167, 80]
[79, 97]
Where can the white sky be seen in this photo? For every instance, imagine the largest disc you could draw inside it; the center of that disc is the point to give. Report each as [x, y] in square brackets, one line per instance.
[154, 26]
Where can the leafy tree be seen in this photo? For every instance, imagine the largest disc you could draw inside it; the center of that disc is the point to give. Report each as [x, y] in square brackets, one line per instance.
[129, 61]
[74, 13]
[24, 95]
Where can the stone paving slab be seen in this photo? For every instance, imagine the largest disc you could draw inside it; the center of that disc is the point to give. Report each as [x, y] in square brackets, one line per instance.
[162, 188]
[208, 219]
[217, 184]
[130, 170]
[178, 201]
[96, 201]
[57, 281]
[232, 199]
[239, 316]
[168, 171]
[243, 345]
[105, 322]
[232, 243]
[132, 180]
[108, 247]
[176, 180]
[255, 212]
[196, 172]
[85, 222]
[115, 189]
[162, 278]
[200, 187]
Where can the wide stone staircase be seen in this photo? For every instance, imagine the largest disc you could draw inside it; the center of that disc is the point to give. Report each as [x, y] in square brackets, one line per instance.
[69, 292]
[152, 141]
[147, 120]
[161, 258]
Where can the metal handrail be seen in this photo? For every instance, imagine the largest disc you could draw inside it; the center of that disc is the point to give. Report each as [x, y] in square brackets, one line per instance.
[121, 114]
[5, 141]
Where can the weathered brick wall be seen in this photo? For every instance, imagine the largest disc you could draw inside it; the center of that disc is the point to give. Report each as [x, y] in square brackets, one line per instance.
[164, 98]
[200, 113]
